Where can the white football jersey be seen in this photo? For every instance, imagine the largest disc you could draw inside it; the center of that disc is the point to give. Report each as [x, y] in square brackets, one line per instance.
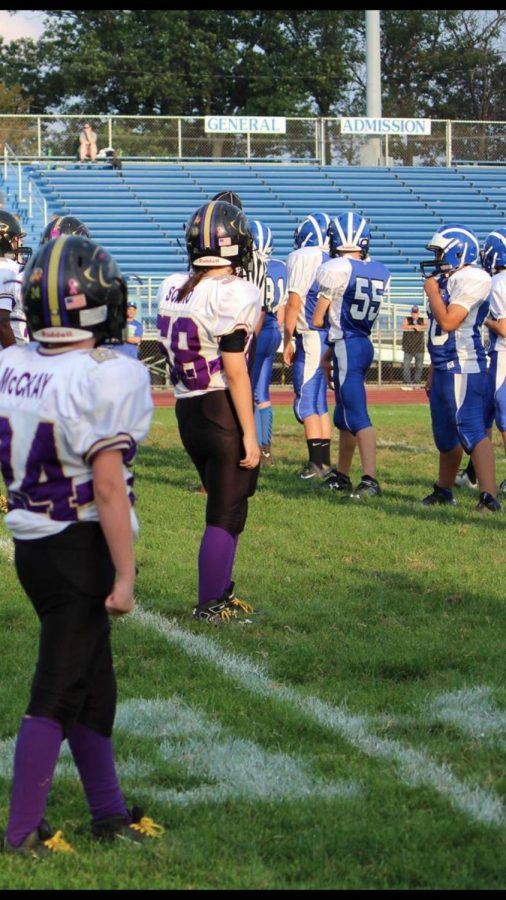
[58, 410]
[498, 309]
[190, 331]
[302, 266]
[10, 297]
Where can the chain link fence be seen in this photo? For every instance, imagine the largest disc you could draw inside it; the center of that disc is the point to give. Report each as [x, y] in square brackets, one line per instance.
[386, 368]
[306, 140]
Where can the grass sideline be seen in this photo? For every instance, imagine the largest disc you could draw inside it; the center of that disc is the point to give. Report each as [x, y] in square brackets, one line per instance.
[353, 737]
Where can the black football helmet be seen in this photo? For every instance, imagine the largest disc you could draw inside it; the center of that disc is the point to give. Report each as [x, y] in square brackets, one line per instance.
[219, 234]
[11, 237]
[229, 197]
[64, 225]
[72, 289]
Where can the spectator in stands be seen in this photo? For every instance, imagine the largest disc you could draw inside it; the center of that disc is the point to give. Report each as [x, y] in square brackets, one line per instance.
[413, 344]
[87, 143]
[304, 342]
[135, 332]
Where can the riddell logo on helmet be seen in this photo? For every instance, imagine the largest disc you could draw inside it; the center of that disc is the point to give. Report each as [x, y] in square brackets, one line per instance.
[56, 332]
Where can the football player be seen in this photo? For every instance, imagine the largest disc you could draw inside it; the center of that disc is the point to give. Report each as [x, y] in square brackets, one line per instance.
[351, 287]
[458, 291]
[269, 336]
[206, 321]
[64, 225]
[72, 413]
[304, 342]
[13, 328]
[494, 261]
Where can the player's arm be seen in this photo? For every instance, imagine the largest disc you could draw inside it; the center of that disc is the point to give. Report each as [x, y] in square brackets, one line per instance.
[450, 317]
[113, 507]
[498, 326]
[293, 306]
[239, 383]
[6, 333]
[320, 310]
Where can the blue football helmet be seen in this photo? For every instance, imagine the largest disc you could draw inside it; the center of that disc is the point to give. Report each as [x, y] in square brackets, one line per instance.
[262, 239]
[312, 232]
[349, 232]
[493, 255]
[262, 250]
[453, 246]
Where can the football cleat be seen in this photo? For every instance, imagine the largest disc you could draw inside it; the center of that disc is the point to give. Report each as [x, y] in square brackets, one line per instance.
[266, 455]
[336, 481]
[488, 503]
[462, 480]
[368, 487]
[439, 496]
[502, 487]
[312, 470]
[227, 608]
[135, 827]
[40, 843]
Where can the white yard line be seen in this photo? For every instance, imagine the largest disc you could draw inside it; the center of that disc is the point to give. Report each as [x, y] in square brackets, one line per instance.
[414, 767]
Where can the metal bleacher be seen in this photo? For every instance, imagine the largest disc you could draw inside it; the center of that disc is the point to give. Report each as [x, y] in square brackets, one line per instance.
[139, 213]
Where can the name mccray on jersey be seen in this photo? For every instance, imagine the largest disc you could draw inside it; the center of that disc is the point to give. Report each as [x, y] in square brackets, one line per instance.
[461, 351]
[10, 297]
[58, 410]
[190, 330]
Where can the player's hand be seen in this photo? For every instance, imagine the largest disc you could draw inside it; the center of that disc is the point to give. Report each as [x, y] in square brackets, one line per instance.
[251, 458]
[120, 601]
[288, 354]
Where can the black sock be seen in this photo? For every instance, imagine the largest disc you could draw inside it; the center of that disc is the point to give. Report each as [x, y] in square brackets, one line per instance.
[326, 452]
[314, 450]
[470, 471]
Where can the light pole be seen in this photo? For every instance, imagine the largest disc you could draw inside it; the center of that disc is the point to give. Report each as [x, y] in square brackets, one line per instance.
[370, 152]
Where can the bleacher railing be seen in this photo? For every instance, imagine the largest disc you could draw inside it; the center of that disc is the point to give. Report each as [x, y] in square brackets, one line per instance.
[386, 336]
[307, 140]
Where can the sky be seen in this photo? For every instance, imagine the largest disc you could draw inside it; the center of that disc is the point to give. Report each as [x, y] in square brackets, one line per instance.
[24, 23]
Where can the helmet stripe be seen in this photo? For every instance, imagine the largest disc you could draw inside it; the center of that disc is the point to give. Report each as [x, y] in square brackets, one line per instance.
[52, 283]
[206, 225]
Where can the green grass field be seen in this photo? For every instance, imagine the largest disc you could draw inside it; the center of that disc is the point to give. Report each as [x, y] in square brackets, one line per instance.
[352, 737]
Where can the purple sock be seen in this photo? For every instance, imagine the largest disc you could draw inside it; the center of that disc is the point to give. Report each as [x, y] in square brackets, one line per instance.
[93, 756]
[37, 749]
[216, 558]
[230, 562]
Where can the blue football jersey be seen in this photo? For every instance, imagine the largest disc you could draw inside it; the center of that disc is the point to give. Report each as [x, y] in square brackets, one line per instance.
[355, 288]
[275, 286]
[461, 351]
